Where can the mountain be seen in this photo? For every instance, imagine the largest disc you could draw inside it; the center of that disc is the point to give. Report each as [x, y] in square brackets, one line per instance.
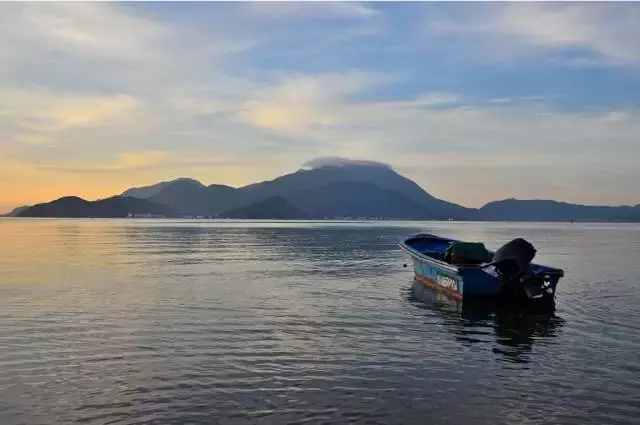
[548, 210]
[334, 200]
[15, 212]
[146, 192]
[372, 173]
[117, 206]
[327, 189]
[189, 197]
[347, 190]
[357, 200]
[275, 207]
[193, 198]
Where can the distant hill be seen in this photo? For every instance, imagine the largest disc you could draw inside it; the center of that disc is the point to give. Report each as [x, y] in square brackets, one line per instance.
[384, 177]
[275, 207]
[15, 212]
[117, 206]
[190, 197]
[329, 189]
[358, 200]
[193, 198]
[147, 192]
[548, 210]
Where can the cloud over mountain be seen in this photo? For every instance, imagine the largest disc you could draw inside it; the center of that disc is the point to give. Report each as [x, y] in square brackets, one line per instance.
[334, 161]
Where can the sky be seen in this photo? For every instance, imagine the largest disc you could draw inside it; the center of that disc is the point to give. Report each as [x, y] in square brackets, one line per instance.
[475, 102]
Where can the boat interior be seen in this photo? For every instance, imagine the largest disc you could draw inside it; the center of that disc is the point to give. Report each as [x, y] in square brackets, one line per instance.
[429, 245]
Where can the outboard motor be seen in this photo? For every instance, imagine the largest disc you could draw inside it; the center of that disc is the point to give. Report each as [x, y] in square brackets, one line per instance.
[512, 261]
[514, 258]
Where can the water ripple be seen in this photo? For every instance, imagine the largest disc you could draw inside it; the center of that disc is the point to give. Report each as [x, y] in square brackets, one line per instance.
[173, 322]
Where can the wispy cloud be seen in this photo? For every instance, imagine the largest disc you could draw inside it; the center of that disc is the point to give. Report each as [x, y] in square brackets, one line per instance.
[38, 117]
[327, 10]
[85, 112]
[303, 104]
[607, 31]
[141, 159]
[94, 29]
[75, 37]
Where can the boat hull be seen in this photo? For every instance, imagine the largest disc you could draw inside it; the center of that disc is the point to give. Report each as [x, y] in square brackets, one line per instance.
[430, 283]
[451, 280]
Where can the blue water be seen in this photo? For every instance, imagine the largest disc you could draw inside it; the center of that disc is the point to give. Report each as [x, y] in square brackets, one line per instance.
[175, 322]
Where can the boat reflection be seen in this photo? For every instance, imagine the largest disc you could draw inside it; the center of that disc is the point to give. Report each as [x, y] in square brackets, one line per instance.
[511, 332]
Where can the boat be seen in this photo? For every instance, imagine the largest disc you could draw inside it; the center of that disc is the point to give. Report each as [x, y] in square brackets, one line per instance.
[507, 273]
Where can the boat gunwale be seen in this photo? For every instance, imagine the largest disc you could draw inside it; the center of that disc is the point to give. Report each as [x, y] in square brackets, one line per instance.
[415, 253]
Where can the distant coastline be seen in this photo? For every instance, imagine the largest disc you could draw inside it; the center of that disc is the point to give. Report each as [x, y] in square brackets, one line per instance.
[351, 190]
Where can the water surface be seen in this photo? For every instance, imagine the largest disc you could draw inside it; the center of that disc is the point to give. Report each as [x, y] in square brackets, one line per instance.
[173, 322]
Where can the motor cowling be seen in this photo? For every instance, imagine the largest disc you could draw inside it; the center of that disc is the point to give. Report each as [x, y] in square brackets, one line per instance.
[513, 259]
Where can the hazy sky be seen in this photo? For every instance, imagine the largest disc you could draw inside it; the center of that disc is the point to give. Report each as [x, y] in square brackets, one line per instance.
[475, 102]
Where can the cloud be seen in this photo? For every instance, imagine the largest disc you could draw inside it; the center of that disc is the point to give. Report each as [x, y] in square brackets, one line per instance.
[133, 162]
[610, 32]
[431, 100]
[105, 47]
[35, 139]
[129, 160]
[38, 117]
[334, 161]
[95, 29]
[328, 10]
[87, 112]
[296, 105]
[81, 35]
[437, 99]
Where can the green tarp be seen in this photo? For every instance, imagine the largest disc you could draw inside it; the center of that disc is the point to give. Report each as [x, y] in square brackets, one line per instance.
[467, 253]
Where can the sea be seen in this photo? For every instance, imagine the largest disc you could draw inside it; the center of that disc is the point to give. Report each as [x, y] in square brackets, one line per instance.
[116, 321]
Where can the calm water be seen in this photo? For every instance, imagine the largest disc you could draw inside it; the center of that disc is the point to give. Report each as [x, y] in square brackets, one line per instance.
[175, 322]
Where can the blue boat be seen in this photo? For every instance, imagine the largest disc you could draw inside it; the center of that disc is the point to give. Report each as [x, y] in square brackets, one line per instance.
[503, 275]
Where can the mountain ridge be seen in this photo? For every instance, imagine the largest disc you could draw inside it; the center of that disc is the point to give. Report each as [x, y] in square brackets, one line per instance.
[357, 189]
[16, 211]
[551, 210]
[145, 192]
[113, 207]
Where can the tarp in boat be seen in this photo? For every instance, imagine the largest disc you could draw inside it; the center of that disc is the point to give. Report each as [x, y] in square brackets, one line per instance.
[467, 253]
